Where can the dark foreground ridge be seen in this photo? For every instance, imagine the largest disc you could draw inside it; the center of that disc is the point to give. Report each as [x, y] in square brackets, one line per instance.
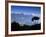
[16, 27]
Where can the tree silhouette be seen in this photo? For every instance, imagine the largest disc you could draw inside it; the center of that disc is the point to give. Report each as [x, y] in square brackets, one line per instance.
[35, 18]
[16, 27]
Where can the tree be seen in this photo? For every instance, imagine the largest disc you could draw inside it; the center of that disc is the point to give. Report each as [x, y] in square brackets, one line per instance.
[35, 18]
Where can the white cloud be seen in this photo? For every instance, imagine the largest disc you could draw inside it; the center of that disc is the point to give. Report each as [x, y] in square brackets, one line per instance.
[33, 14]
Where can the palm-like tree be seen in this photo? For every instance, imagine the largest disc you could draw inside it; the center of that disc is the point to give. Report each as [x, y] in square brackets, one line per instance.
[35, 18]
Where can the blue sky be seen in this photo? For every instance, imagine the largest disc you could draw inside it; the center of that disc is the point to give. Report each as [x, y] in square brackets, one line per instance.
[24, 10]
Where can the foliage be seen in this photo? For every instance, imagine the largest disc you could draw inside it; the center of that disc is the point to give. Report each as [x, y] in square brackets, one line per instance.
[16, 27]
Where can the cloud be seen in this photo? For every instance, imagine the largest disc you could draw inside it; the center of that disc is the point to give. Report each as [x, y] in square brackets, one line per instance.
[34, 14]
[27, 13]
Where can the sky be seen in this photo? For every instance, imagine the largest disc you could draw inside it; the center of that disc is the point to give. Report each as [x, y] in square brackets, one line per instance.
[25, 9]
[24, 14]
